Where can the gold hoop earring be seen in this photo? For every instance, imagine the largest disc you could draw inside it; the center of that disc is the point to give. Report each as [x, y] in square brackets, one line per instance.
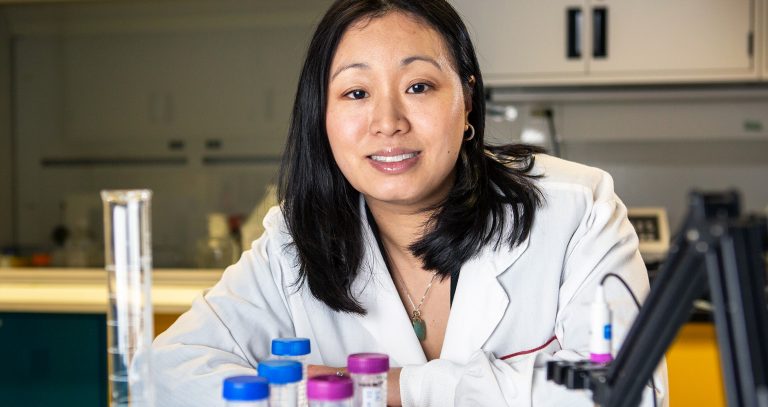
[471, 129]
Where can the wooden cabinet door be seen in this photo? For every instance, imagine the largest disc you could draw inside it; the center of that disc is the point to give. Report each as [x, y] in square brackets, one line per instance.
[517, 40]
[686, 39]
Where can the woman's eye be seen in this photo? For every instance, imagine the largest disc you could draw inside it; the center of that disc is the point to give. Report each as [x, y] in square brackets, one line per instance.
[418, 88]
[357, 94]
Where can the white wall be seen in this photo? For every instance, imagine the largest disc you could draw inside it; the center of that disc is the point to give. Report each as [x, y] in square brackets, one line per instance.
[6, 215]
[663, 173]
[658, 148]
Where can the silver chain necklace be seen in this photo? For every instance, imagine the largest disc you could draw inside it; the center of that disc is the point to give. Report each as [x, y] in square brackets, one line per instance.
[419, 326]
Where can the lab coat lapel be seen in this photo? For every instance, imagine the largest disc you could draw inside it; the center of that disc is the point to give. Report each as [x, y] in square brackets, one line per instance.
[386, 320]
[479, 302]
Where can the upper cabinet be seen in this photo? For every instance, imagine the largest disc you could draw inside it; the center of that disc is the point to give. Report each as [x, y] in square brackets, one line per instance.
[521, 39]
[522, 42]
[175, 78]
[219, 88]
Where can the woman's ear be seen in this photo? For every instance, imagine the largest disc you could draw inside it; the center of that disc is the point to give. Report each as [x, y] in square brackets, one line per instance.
[468, 94]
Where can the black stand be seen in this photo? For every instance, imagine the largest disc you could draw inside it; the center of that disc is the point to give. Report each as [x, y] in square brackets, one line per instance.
[731, 249]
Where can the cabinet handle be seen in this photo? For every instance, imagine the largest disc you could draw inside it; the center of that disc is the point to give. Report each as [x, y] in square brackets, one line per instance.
[573, 33]
[213, 144]
[599, 32]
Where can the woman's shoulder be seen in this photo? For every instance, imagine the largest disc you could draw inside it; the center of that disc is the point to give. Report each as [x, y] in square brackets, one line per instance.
[557, 176]
[273, 251]
[275, 228]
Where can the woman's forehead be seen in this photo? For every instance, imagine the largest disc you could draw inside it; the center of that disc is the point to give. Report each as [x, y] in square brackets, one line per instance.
[394, 37]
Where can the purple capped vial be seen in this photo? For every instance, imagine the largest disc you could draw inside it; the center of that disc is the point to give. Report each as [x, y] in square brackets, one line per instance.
[330, 391]
[369, 374]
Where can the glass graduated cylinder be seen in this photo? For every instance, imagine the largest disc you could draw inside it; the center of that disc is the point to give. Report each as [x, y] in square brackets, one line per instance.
[128, 262]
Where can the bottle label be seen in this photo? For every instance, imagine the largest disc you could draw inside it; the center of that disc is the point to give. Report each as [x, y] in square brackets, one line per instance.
[371, 397]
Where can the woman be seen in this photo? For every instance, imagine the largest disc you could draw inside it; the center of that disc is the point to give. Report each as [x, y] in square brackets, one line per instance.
[400, 232]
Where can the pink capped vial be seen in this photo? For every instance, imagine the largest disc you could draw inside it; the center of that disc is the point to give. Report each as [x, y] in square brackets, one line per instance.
[330, 391]
[369, 373]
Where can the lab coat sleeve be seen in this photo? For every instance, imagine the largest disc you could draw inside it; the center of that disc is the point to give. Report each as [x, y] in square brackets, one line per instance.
[225, 333]
[604, 242]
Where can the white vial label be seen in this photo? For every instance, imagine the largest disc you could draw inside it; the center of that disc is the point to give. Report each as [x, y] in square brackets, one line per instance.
[283, 395]
[371, 397]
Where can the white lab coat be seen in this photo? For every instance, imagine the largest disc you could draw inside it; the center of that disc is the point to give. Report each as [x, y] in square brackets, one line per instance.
[513, 309]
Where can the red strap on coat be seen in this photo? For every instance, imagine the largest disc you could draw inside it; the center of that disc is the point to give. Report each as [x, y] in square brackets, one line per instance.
[525, 352]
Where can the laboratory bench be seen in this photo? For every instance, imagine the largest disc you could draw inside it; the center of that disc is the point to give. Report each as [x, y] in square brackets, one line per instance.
[53, 333]
[53, 337]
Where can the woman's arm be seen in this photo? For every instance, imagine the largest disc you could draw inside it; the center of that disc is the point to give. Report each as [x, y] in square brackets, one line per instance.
[393, 380]
[226, 332]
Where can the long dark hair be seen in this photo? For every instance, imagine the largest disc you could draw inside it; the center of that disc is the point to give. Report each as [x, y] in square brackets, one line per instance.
[322, 209]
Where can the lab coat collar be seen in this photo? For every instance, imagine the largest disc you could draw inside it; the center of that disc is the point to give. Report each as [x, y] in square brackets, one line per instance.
[479, 303]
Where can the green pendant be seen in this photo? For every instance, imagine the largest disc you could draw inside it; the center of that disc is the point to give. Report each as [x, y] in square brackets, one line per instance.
[419, 327]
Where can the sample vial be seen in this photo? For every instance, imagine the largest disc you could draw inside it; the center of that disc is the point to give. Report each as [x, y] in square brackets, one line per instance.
[296, 349]
[284, 377]
[246, 391]
[600, 327]
[369, 373]
[330, 391]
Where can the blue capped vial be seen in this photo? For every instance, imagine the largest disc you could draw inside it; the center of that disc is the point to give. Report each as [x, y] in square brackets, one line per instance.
[246, 391]
[284, 377]
[296, 349]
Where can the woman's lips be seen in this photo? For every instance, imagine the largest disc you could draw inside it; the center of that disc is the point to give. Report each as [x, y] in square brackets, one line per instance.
[394, 161]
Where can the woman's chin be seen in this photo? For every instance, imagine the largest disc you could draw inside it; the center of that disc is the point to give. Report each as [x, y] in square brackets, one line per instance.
[391, 199]
[400, 198]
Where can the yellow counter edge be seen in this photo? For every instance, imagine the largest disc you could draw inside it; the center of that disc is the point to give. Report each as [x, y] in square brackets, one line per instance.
[85, 290]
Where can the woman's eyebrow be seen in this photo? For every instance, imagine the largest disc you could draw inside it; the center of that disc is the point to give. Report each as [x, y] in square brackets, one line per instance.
[341, 69]
[409, 60]
[404, 62]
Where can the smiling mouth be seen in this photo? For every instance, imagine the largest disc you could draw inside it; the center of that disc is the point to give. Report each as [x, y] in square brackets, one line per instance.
[393, 158]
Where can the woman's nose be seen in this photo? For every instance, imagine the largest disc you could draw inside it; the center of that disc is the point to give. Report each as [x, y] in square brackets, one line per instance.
[388, 117]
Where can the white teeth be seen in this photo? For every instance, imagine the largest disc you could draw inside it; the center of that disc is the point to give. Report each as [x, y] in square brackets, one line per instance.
[393, 158]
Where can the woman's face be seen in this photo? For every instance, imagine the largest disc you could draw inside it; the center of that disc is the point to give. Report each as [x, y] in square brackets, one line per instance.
[396, 111]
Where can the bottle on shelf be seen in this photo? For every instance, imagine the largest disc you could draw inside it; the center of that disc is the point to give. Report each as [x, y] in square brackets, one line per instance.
[218, 250]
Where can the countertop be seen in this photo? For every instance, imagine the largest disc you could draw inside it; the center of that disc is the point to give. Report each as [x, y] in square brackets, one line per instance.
[69, 290]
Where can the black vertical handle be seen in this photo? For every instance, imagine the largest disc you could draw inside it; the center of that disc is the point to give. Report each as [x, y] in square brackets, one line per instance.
[573, 33]
[599, 32]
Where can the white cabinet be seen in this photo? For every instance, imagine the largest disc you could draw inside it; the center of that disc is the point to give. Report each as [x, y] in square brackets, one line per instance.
[137, 78]
[613, 41]
[520, 39]
[675, 38]
[220, 88]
